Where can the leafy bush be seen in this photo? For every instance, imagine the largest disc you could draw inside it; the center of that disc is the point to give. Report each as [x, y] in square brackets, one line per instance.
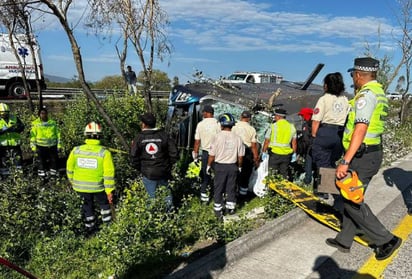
[42, 229]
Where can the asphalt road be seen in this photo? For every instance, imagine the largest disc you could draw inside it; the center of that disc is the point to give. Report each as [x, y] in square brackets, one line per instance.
[293, 246]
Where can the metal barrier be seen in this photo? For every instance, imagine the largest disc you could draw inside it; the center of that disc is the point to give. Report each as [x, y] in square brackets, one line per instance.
[70, 93]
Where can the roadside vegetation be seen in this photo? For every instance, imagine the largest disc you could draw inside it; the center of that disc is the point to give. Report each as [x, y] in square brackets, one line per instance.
[42, 228]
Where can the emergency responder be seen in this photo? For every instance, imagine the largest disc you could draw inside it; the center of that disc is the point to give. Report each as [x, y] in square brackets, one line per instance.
[90, 171]
[248, 135]
[304, 143]
[153, 153]
[226, 152]
[45, 142]
[11, 128]
[206, 129]
[328, 122]
[280, 142]
[362, 142]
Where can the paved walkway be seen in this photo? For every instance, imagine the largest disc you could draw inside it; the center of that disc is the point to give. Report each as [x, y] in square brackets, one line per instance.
[293, 246]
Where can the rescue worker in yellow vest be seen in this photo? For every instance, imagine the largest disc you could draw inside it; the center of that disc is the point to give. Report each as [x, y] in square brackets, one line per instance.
[10, 139]
[45, 142]
[280, 143]
[363, 153]
[90, 170]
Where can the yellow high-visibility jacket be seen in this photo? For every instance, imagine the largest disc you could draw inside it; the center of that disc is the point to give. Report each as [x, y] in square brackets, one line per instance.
[45, 134]
[90, 168]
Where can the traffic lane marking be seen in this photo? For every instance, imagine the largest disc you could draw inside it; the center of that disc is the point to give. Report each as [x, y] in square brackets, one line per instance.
[376, 268]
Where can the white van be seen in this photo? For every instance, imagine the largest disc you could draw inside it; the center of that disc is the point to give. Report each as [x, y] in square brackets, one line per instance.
[11, 81]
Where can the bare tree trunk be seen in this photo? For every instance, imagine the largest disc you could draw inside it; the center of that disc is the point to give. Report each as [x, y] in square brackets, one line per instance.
[122, 56]
[79, 65]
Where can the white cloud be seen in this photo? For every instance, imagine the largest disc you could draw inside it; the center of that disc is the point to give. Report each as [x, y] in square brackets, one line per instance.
[242, 25]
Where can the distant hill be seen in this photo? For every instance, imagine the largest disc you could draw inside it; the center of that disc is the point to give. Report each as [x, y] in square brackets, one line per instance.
[52, 78]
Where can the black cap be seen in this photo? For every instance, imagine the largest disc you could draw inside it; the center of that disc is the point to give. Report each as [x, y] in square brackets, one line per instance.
[246, 114]
[208, 108]
[149, 119]
[280, 112]
[365, 64]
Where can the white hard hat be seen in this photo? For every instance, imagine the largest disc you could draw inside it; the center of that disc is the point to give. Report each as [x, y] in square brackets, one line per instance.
[4, 107]
[92, 128]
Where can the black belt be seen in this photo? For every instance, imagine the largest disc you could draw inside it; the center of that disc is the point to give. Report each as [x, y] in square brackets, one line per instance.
[330, 125]
[373, 148]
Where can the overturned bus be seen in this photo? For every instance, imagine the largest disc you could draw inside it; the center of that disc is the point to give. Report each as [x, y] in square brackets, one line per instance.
[186, 103]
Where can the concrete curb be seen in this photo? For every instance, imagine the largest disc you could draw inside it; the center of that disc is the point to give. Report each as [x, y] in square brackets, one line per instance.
[228, 254]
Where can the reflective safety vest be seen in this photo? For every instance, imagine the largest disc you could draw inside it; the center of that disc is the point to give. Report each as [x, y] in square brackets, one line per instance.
[281, 144]
[377, 121]
[9, 138]
[90, 168]
[44, 134]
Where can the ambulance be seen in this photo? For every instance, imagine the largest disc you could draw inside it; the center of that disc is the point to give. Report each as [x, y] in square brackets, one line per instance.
[11, 80]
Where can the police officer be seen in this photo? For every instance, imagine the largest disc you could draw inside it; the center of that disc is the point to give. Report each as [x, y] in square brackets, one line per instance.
[280, 142]
[11, 128]
[248, 135]
[90, 171]
[153, 154]
[205, 131]
[226, 151]
[45, 141]
[363, 153]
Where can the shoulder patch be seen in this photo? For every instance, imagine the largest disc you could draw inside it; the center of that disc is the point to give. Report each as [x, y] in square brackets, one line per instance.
[316, 111]
[361, 103]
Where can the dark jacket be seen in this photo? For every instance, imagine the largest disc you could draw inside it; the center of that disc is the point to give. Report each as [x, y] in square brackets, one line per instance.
[305, 138]
[153, 153]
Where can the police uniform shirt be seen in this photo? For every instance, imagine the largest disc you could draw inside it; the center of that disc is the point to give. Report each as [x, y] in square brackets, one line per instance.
[269, 132]
[227, 147]
[365, 104]
[331, 109]
[246, 132]
[205, 131]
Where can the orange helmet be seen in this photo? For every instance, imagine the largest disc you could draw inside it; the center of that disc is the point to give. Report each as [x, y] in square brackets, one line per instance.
[351, 188]
[92, 128]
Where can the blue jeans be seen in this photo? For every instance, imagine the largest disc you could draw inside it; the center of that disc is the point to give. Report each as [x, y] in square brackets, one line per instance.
[151, 186]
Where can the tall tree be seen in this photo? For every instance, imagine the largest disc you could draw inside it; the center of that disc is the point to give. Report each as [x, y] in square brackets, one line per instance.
[143, 24]
[405, 45]
[60, 11]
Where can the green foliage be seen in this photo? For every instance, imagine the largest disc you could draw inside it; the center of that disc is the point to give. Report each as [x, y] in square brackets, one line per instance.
[160, 80]
[111, 82]
[42, 226]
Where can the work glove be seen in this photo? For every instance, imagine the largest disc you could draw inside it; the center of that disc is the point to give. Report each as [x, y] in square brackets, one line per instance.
[264, 155]
[208, 170]
[294, 157]
[195, 156]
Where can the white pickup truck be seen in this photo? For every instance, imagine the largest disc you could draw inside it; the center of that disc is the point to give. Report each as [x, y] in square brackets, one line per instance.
[11, 81]
[253, 77]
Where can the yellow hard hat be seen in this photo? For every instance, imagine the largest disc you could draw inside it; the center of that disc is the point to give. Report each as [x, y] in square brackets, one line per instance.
[92, 128]
[4, 107]
[351, 188]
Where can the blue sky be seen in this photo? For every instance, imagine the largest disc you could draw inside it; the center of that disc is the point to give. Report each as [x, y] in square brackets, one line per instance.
[218, 37]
